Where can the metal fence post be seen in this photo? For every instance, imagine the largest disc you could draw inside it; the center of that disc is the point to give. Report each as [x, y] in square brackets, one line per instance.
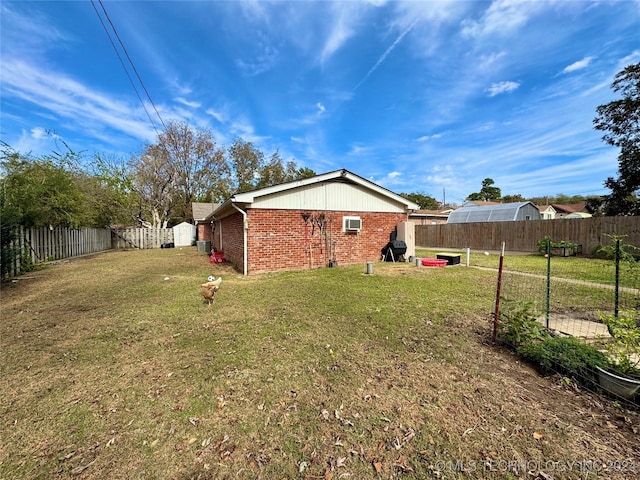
[617, 290]
[548, 306]
[496, 312]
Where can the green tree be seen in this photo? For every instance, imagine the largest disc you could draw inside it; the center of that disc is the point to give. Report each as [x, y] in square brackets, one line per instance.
[182, 167]
[246, 163]
[620, 120]
[512, 198]
[487, 193]
[304, 172]
[38, 192]
[276, 172]
[425, 202]
[109, 188]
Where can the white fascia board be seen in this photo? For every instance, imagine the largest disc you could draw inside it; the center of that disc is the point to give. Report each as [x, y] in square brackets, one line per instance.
[247, 198]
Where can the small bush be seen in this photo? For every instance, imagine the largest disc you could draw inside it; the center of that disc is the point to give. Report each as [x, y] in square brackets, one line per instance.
[624, 348]
[535, 344]
[542, 245]
[519, 326]
[566, 355]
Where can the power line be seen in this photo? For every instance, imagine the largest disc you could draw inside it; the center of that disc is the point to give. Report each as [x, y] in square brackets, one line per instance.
[126, 71]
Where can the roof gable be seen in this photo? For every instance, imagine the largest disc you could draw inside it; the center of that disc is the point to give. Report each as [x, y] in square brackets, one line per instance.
[570, 207]
[336, 185]
[201, 210]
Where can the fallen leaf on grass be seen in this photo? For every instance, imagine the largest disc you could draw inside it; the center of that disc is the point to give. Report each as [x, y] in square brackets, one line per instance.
[377, 466]
[401, 464]
[79, 470]
[67, 456]
[538, 435]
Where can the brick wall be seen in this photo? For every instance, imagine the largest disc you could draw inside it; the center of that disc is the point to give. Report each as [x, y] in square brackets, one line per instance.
[204, 232]
[232, 239]
[281, 240]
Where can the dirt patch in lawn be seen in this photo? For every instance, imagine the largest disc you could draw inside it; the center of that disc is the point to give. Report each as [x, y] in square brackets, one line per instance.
[115, 367]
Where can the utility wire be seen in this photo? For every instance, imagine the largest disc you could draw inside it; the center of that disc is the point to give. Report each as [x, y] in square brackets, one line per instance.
[131, 62]
[126, 71]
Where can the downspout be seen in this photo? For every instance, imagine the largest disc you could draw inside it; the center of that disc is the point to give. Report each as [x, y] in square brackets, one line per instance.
[244, 239]
[213, 232]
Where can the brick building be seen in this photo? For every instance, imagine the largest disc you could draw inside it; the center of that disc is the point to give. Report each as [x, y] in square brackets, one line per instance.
[336, 218]
[200, 212]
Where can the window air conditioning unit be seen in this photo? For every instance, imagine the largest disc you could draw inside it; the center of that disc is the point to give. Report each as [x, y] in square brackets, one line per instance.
[352, 224]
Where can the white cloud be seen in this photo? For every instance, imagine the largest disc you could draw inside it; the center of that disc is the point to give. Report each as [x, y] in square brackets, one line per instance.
[188, 103]
[358, 150]
[71, 100]
[263, 60]
[633, 57]
[215, 114]
[38, 133]
[502, 17]
[387, 52]
[579, 65]
[502, 87]
[340, 32]
[321, 108]
[426, 138]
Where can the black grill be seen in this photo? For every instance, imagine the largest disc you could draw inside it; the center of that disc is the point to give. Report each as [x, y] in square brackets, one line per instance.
[394, 251]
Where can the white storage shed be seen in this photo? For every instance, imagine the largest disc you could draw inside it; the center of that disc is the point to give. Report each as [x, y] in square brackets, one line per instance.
[184, 234]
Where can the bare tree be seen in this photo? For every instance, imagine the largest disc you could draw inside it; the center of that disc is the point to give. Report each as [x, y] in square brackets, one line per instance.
[182, 167]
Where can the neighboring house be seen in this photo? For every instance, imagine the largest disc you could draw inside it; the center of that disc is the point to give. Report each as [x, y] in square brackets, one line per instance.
[499, 212]
[563, 210]
[200, 212]
[547, 212]
[429, 217]
[336, 218]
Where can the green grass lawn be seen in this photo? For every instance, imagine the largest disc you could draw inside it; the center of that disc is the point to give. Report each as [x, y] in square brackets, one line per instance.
[114, 367]
[579, 268]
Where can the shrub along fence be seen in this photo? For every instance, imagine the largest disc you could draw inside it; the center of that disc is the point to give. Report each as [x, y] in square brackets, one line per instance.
[575, 316]
[523, 236]
[32, 246]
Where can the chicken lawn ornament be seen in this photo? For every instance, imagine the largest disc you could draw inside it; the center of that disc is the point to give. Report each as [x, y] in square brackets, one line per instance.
[210, 288]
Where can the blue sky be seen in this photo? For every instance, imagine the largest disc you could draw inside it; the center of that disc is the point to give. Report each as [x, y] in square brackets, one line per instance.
[416, 96]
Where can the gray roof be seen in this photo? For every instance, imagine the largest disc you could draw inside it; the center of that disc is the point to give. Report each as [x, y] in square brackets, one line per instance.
[201, 211]
[502, 212]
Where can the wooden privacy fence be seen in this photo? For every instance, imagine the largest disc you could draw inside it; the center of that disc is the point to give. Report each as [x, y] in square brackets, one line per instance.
[523, 236]
[33, 246]
[141, 237]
